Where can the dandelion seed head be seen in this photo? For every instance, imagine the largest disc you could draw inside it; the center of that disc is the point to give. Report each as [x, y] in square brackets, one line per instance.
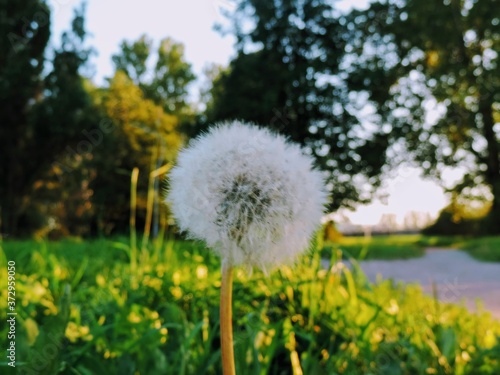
[248, 193]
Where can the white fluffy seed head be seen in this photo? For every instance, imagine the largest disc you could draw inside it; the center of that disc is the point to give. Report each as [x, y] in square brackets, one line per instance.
[251, 195]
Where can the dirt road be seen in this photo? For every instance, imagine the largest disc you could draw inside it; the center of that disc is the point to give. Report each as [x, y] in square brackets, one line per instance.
[458, 277]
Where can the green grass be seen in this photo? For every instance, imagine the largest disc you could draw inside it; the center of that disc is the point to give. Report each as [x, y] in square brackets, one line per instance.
[439, 241]
[377, 247]
[486, 248]
[163, 319]
[389, 246]
[412, 246]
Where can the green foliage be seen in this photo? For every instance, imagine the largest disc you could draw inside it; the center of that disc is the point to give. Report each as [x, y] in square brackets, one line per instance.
[377, 247]
[439, 241]
[140, 135]
[142, 112]
[406, 52]
[412, 246]
[463, 216]
[167, 84]
[133, 57]
[40, 115]
[448, 225]
[164, 318]
[68, 146]
[173, 75]
[24, 33]
[486, 248]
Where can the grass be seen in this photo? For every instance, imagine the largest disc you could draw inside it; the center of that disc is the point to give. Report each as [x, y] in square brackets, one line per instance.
[412, 246]
[389, 246]
[163, 318]
[486, 248]
[377, 247]
[439, 241]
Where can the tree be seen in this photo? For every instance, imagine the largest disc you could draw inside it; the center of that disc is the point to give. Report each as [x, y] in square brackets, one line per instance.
[416, 220]
[172, 76]
[287, 75]
[388, 223]
[132, 58]
[407, 55]
[141, 133]
[164, 88]
[39, 115]
[167, 83]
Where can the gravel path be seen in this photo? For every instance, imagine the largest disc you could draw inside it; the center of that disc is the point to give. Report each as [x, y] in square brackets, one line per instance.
[458, 277]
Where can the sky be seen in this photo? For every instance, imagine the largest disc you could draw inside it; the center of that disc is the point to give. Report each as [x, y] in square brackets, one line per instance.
[109, 22]
[191, 22]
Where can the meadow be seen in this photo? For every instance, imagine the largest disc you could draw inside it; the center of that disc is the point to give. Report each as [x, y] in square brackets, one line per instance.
[84, 308]
[413, 246]
[487, 248]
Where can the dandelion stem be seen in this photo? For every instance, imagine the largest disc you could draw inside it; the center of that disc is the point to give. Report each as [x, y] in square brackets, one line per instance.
[226, 316]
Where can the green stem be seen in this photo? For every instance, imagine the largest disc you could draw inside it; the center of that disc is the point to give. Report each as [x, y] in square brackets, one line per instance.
[133, 207]
[226, 322]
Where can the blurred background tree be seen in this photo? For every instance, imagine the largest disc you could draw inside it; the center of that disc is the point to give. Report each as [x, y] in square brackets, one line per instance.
[146, 102]
[362, 90]
[287, 74]
[40, 114]
[411, 57]
[166, 81]
[67, 147]
[143, 136]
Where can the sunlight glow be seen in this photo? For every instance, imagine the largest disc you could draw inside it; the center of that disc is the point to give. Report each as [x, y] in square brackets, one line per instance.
[407, 192]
